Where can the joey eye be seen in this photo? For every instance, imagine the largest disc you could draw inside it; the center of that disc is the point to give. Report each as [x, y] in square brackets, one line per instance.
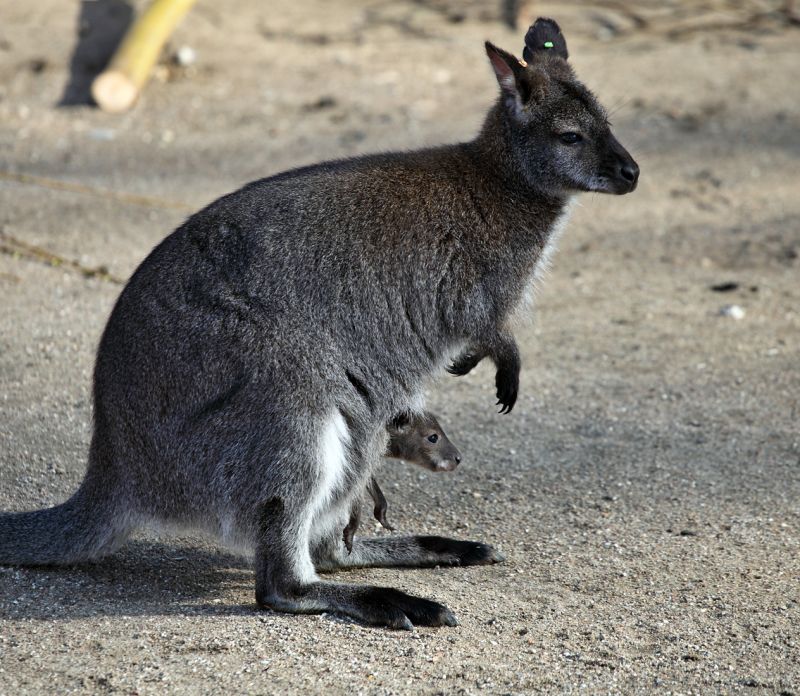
[570, 138]
[433, 439]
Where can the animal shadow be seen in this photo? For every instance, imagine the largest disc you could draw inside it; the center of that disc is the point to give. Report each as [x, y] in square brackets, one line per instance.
[143, 578]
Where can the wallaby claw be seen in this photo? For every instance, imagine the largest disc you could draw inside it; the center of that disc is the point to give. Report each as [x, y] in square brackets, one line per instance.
[464, 364]
[507, 390]
[347, 538]
[383, 606]
[350, 530]
[384, 523]
[380, 515]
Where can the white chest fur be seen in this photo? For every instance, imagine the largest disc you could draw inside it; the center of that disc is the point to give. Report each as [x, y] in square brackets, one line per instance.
[322, 516]
[523, 309]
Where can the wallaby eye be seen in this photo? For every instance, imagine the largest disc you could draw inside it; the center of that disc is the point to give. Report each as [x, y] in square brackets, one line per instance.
[570, 138]
[433, 439]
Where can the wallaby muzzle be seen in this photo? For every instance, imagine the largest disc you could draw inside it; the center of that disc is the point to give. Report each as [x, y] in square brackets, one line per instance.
[619, 170]
[449, 460]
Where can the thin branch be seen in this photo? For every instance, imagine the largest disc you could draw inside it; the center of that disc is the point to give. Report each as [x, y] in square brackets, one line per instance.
[74, 187]
[16, 248]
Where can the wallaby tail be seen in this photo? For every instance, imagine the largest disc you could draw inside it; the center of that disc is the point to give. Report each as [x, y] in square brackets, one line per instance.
[83, 528]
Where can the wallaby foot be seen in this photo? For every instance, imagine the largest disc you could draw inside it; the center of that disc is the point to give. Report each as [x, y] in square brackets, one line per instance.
[286, 581]
[408, 552]
[375, 606]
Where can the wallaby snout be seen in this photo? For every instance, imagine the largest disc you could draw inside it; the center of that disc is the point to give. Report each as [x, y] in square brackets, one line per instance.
[448, 460]
[624, 172]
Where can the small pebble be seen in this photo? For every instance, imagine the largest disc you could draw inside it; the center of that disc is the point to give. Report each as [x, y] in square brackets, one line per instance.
[185, 56]
[729, 286]
[733, 311]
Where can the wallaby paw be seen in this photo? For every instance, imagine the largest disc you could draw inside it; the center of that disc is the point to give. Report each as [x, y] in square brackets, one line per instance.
[464, 364]
[347, 538]
[384, 606]
[380, 514]
[461, 553]
[385, 523]
[507, 384]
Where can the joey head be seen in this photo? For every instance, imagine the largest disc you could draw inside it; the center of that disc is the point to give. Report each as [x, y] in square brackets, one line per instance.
[413, 438]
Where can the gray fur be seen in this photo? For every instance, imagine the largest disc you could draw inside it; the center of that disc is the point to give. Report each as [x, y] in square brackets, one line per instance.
[285, 324]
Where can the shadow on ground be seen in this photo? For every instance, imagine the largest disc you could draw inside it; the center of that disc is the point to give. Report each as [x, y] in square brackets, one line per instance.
[144, 578]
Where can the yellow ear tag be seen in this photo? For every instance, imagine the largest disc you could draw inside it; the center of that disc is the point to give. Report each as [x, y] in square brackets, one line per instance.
[548, 44]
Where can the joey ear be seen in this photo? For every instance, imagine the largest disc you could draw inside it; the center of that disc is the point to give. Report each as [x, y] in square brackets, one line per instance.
[544, 37]
[400, 424]
[511, 75]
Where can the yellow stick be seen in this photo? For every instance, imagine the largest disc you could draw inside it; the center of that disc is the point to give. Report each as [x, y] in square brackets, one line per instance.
[118, 86]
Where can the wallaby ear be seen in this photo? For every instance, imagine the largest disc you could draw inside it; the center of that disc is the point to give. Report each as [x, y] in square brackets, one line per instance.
[544, 37]
[510, 74]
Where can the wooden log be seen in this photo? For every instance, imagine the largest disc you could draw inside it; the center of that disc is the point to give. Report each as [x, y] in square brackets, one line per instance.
[118, 86]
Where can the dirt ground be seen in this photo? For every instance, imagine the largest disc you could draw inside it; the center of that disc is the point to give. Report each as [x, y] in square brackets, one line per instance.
[646, 489]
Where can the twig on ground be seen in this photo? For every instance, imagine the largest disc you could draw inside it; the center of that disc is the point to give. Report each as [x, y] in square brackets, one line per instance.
[15, 247]
[74, 187]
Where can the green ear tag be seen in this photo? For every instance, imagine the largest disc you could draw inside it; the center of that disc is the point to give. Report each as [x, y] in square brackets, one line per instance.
[548, 44]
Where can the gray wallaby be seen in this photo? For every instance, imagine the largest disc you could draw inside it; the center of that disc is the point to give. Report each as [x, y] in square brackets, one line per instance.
[413, 438]
[246, 375]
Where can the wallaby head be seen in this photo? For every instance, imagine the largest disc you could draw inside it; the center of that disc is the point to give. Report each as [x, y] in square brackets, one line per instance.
[558, 134]
[420, 440]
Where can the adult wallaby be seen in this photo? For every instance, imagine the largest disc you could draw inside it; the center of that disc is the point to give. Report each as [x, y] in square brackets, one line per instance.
[414, 438]
[246, 375]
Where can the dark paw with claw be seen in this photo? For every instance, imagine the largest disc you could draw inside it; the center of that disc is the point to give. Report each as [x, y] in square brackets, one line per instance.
[384, 606]
[380, 514]
[380, 504]
[347, 537]
[507, 383]
[464, 364]
[349, 531]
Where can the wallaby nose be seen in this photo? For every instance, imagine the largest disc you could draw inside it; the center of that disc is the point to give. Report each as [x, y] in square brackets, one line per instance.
[630, 172]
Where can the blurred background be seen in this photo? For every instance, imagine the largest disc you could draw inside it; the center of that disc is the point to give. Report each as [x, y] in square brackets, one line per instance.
[645, 489]
[242, 90]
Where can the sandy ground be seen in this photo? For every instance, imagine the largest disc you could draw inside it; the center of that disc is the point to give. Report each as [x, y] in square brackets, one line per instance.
[646, 487]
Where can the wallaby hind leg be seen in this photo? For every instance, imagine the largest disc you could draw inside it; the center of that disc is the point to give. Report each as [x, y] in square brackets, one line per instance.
[285, 580]
[405, 551]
